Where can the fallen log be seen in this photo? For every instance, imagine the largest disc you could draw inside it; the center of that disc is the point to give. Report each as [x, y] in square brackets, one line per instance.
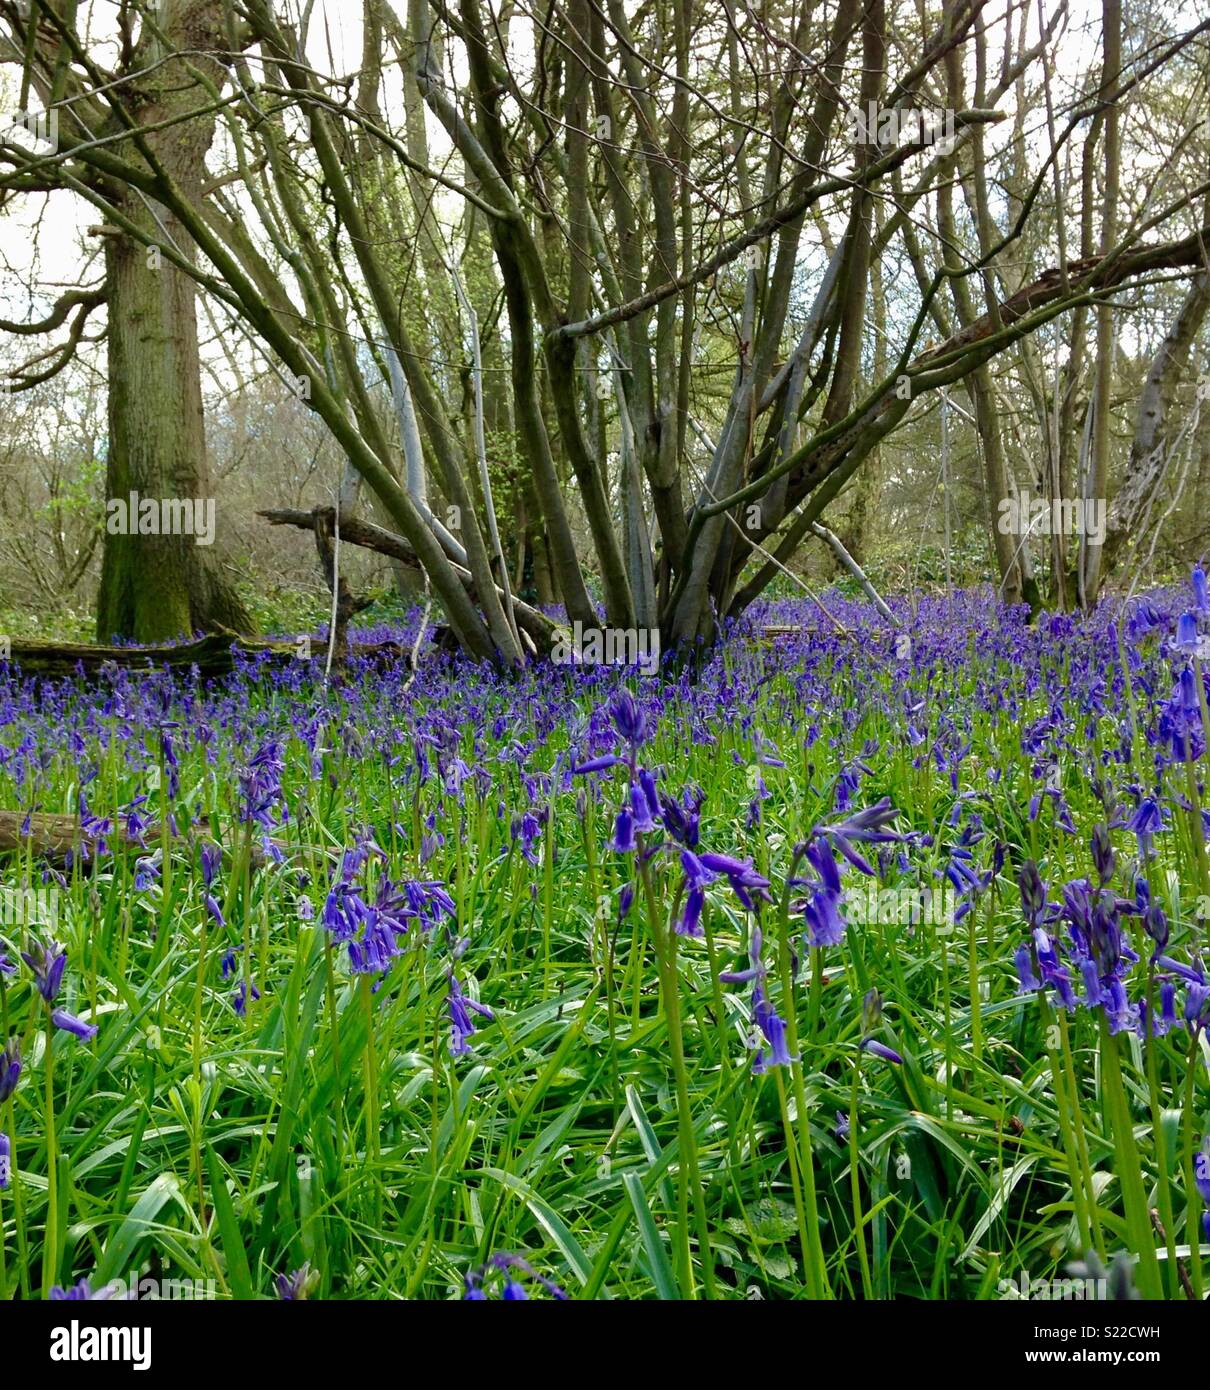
[542, 631]
[53, 837]
[213, 655]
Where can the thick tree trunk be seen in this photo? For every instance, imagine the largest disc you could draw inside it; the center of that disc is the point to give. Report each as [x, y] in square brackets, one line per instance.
[1096, 485]
[1149, 449]
[157, 586]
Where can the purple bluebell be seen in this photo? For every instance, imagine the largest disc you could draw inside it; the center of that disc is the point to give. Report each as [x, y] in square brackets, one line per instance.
[10, 1069]
[460, 1007]
[47, 960]
[147, 871]
[689, 923]
[764, 1016]
[623, 841]
[69, 1023]
[821, 910]
[1102, 853]
[508, 1271]
[1145, 823]
[746, 883]
[297, 1286]
[82, 1292]
[239, 1000]
[1186, 633]
[628, 718]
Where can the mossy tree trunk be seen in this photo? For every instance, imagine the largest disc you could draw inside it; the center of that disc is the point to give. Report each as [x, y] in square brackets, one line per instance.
[153, 586]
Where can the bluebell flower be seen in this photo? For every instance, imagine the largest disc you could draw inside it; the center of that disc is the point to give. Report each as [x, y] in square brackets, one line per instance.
[1180, 721]
[682, 818]
[640, 810]
[628, 718]
[1025, 970]
[1033, 893]
[527, 829]
[697, 875]
[239, 1001]
[147, 871]
[689, 922]
[607, 760]
[10, 1069]
[6, 1162]
[509, 1270]
[297, 1286]
[1145, 823]
[260, 786]
[47, 960]
[460, 1007]
[1186, 633]
[825, 925]
[82, 1293]
[745, 882]
[623, 833]
[766, 1018]
[69, 1023]
[1102, 853]
[212, 857]
[868, 826]
[773, 1026]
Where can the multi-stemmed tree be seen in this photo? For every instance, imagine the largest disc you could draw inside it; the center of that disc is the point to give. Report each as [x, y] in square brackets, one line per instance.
[608, 210]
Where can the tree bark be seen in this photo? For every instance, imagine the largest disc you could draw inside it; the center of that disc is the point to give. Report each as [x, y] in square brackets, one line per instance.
[155, 587]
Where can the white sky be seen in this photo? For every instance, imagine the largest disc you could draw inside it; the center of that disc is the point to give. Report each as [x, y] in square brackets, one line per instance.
[43, 241]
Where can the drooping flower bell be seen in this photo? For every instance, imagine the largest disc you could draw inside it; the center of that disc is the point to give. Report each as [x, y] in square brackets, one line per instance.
[871, 1020]
[460, 1007]
[47, 960]
[10, 1069]
[1186, 634]
[825, 925]
[1145, 823]
[297, 1285]
[764, 1016]
[509, 1270]
[1033, 893]
[628, 718]
[1102, 853]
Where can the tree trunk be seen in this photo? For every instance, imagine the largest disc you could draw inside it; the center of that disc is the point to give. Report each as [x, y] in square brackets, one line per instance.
[1149, 449]
[157, 586]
